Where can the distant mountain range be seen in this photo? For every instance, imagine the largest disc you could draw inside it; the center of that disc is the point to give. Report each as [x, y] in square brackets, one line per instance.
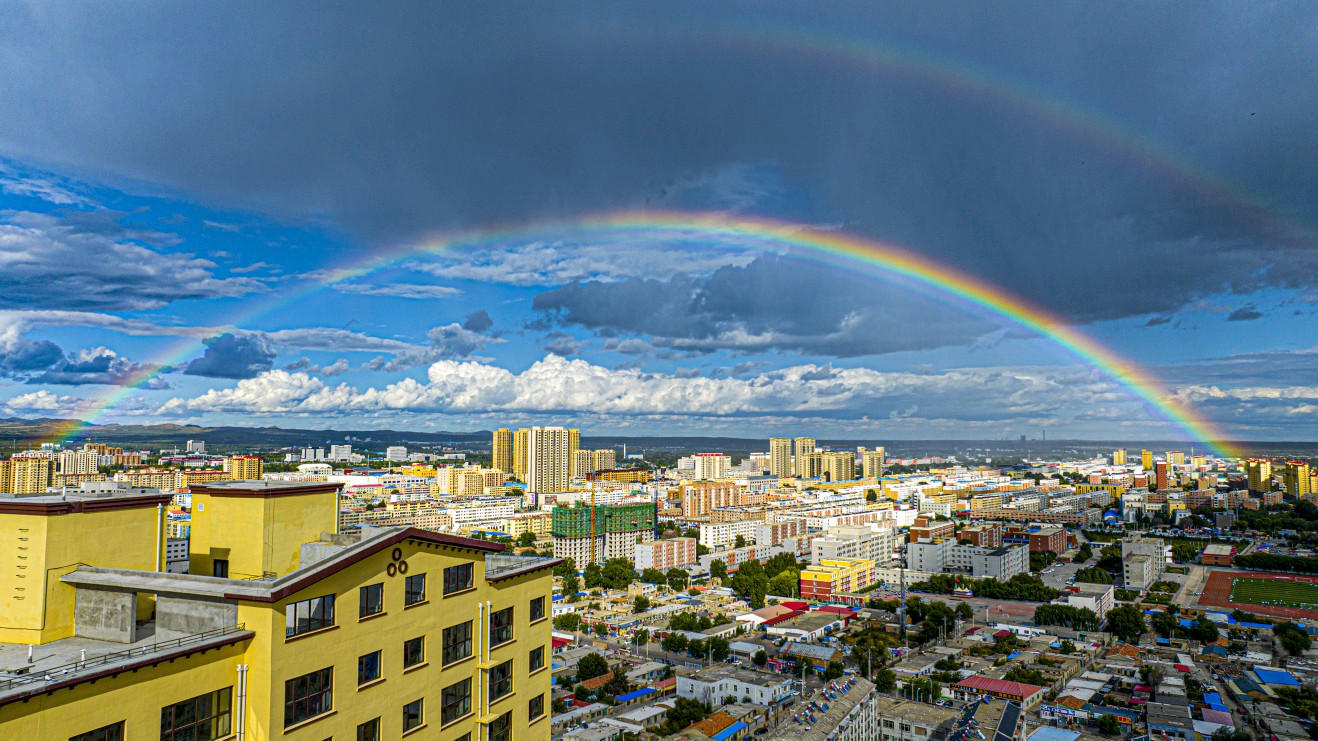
[20, 434]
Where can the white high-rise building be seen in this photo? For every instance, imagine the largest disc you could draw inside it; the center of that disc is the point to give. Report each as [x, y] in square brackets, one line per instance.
[340, 453]
[712, 466]
[548, 459]
[396, 453]
[197, 446]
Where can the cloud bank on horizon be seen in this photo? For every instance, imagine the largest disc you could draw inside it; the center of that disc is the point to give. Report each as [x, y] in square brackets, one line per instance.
[169, 213]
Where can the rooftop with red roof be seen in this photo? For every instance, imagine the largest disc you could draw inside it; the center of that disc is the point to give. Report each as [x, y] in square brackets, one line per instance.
[998, 686]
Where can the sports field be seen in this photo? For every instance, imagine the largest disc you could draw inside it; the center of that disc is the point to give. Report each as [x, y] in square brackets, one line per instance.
[1274, 595]
[1282, 593]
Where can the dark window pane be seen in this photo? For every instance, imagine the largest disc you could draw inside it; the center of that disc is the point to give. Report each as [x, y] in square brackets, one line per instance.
[415, 589]
[457, 642]
[371, 599]
[308, 696]
[368, 668]
[501, 680]
[501, 729]
[369, 731]
[308, 615]
[202, 718]
[457, 578]
[412, 715]
[414, 652]
[501, 627]
[537, 658]
[537, 608]
[455, 701]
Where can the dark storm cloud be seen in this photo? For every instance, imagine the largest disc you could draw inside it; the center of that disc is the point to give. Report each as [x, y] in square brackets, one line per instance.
[1244, 314]
[394, 121]
[233, 356]
[95, 366]
[773, 303]
[478, 321]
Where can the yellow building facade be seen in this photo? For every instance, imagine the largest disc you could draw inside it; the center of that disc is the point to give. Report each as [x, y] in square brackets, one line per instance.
[396, 633]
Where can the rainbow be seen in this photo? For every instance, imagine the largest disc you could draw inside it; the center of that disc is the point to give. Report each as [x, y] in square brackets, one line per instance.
[763, 234]
[983, 85]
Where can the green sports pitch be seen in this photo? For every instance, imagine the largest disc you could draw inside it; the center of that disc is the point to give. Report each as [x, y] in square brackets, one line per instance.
[1279, 592]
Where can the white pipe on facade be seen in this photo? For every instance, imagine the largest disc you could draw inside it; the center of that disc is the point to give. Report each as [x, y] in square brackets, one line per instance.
[160, 534]
[240, 723]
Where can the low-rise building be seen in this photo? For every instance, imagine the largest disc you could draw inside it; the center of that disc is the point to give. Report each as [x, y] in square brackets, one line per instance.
[717, 683]
[972, 688]
[1218, 555]
[838, 576]
[1096, 597]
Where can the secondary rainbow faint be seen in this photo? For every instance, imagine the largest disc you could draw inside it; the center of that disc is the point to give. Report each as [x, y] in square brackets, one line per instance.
[724, 231]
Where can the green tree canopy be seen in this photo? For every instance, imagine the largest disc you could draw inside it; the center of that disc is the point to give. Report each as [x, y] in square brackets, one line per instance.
[591, 666]
[1126, 622]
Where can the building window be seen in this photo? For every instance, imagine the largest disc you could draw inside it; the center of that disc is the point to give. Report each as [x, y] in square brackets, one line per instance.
[413, 715]
[501, 680]
[414, 652]
[536, 708]
[463, 737]
[203, 718]
[501, 627]
[537, 608]
[455, 701]
[369, 731]
[220, 568]
[371, 599]
[368, 668]
[501, 729]
[537, 658]
[308, 615]
[416, 590]
[112, 732]
[308, 696]
[457, 578]
[457, 642]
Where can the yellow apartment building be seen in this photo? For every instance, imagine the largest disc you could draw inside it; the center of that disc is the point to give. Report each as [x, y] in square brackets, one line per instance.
[384, 634]
[244, 467]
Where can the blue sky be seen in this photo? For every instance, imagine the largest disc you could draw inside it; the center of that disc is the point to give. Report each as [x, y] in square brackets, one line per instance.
[170, 212]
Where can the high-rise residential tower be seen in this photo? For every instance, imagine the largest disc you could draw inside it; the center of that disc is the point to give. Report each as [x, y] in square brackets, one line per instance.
[501, 450]
[803, 447]
[780, 456]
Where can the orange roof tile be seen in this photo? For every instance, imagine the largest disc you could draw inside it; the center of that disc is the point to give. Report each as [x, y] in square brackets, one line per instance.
[713, 724]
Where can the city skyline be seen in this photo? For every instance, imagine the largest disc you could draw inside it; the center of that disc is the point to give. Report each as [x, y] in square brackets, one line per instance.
[639, 225]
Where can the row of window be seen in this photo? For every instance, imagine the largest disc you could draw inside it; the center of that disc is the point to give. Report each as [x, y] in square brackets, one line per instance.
[208, 717]
[318, 612]
[456, 648]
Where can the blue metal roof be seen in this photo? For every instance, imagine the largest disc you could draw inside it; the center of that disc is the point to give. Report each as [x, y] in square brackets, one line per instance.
[1276, 676]
[730, 731]
[1047, 733]
[642, 692]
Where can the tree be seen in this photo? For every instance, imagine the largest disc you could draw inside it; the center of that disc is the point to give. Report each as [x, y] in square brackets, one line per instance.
[779, 563]
[1094, 575]
[1067, 647]
[591, 666]
[885, 680]
[685, 712]
[740, 542]
[568, 621]
[1126, 622]
[1152, 676]
[1205, 630]
[571, 585]
[641, 604]
[702, 550]
[785, 584]
[526, 540]
[594, 576]
[618, 573]
[691, 533]
[697, 649]
[568, 567]
[674, 642]
[654, 576]
[677, 578]
[1164, 624]
[1108, 725]
[965, 611]
[641, 637]
[760, 658]
[719, 648]
[834, 670]
[601, 629]
[718, 569]
[871, 495]
[1292, 638]
[751, 583]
